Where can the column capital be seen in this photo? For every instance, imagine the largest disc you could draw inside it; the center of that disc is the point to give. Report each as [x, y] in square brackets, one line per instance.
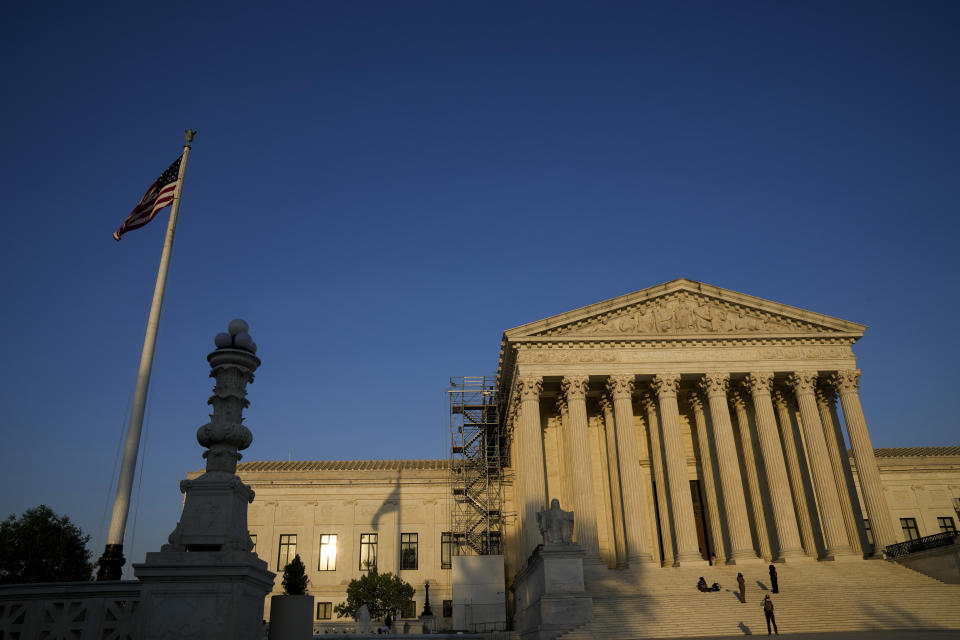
[695, 400]
[715, 384]
[529, 387]
[737, 397]
[803, 381]
[846, 381]
[562, 406]
[621, 386]
[759, 383]
[647, 401]
[666, 384]
[780, 397]
[605, 402]
[826, 393]
[575, 386]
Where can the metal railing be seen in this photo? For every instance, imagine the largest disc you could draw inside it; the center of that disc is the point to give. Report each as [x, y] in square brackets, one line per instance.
[943, 539]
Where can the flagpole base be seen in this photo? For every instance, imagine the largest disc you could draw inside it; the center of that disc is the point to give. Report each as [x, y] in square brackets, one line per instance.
[111, 563]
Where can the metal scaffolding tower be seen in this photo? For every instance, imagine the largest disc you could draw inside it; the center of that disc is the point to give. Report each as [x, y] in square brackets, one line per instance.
[476, 465]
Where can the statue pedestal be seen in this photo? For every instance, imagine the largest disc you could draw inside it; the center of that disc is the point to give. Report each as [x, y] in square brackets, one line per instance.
[549, 594]
[427, 622]
[206, 583]
[215, 595]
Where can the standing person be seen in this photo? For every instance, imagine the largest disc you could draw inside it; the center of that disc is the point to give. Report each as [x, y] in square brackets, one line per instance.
[388, 623]
[713, 559]
[774, 586]
[743, 588]
[768, 612]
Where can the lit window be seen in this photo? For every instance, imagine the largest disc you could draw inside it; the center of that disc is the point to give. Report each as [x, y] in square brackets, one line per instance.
[408, 551]
[409, 609]
[448, 608]
[368, 551]
[947, 525]
[324, 610]
[328, 552]
[447, 550]
[868, 531]
[909, 526]
[288, 550]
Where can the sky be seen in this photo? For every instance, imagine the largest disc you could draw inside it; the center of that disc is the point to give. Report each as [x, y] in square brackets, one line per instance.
[382, 188]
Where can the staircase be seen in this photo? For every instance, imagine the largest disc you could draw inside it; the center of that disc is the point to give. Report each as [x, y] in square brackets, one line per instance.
[851, 595]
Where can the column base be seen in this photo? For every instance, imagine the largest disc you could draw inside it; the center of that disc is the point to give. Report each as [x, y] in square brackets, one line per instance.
[743, 558]
[793, 556]
[691, 560]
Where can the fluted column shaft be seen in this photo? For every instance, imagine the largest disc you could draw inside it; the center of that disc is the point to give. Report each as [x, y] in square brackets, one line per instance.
[656, 459]
[710, 487]
[802, 497]
[826, 404]
[632, 492]
[585, 516]
[613, 479]
[735, 505]
[681, 503]
[881, 523]
[533, 485]
[788, 537]
[751, 468]
[803, 383]
[601, 484]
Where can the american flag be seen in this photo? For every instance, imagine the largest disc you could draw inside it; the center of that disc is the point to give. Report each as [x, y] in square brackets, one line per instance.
[159, 195]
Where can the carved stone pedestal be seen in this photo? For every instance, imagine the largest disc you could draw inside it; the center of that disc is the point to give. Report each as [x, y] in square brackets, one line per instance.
[207, 584]
[202, 595]
[549, 593]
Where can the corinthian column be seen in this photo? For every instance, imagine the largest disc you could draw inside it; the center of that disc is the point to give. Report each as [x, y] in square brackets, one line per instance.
[613, 479]
[710, 487]
[738, 524]
[803, 383]
[656, 458]
[788, 537]
[807, 520]
[533, 489]
[620, 389]
[751, 468]
[840, 462]
[585, 515]
[681, 503]
[881, 522]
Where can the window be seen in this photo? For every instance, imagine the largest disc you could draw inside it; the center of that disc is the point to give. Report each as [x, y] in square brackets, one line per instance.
[909, 526]
[409, 609]
[253, 539]
[447, 550]
[328, 552]
[946, 524]
[324, 610]
[368, 551]
[448, 608]
[408, 551]
[288, 550]
[868, 531]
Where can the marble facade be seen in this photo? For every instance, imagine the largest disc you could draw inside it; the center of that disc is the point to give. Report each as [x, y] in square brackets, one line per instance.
[686, 420]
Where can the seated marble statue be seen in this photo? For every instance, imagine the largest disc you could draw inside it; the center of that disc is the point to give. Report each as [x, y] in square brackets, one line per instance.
[556, 525]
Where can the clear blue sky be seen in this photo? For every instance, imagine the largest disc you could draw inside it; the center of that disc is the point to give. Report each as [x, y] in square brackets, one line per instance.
[381, 189]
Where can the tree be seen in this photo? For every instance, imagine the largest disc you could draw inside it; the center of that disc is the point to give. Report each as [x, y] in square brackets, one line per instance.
[41, 546]
[295, 578]
[383, 593]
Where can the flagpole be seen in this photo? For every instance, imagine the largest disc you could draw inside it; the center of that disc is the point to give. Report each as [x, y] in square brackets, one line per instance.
[112, 561]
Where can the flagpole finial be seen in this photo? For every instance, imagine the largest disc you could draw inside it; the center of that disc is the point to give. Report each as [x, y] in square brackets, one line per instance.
[189, 134]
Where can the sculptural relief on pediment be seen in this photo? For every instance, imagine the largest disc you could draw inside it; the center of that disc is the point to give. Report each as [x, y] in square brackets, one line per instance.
[684, 313]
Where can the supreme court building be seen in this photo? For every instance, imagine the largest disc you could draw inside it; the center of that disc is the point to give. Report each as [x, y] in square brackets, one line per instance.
[677, 422]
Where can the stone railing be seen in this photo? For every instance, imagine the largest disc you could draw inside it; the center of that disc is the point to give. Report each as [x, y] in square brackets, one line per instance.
[943, 539]
[83, 610]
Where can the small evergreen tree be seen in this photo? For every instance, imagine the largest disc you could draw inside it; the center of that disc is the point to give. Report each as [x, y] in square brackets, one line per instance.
[295, 578]
[383, 593]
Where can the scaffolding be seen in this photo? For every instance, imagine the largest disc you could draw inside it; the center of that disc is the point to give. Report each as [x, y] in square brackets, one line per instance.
[476, 465]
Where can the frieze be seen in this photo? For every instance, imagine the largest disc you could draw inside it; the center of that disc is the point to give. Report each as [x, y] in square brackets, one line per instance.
[559, 355]
[685, 313]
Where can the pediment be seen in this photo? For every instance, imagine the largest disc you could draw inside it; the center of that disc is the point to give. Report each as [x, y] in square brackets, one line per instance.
[685, 308]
